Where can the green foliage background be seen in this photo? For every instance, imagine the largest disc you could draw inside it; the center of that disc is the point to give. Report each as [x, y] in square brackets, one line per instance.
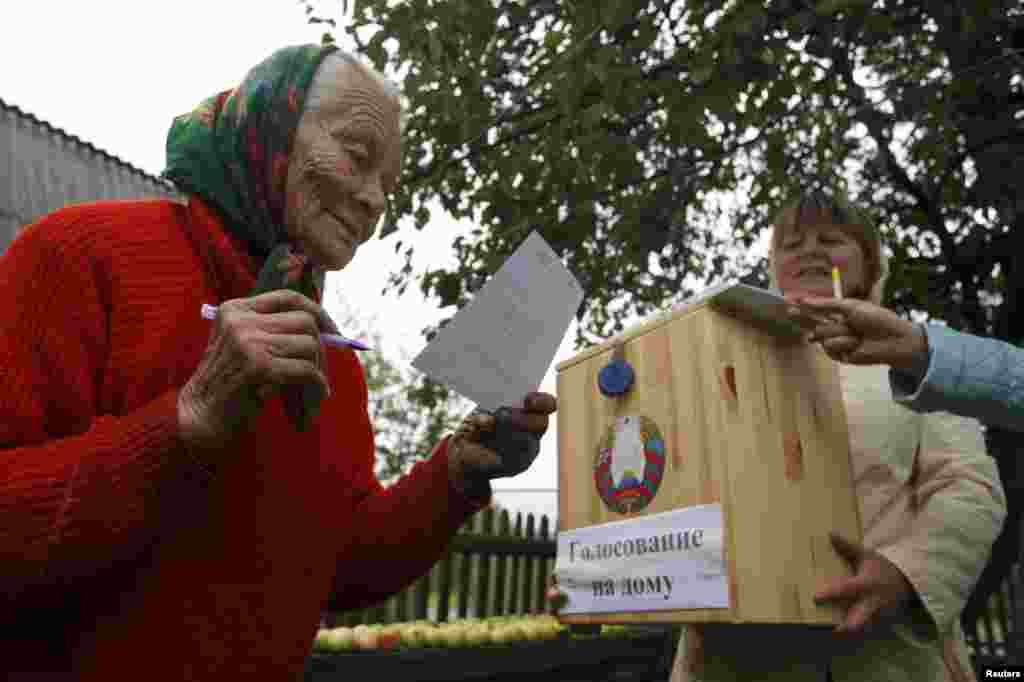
[617, 129]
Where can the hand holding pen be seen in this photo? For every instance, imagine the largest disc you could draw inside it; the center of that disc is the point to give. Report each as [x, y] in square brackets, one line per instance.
[257, 346]
[209, 312]
[861, 333]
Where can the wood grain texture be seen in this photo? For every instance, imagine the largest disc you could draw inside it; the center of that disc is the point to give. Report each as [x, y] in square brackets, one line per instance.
[751, 421]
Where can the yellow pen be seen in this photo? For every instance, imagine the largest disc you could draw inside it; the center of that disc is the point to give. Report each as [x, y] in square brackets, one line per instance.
[837, 283]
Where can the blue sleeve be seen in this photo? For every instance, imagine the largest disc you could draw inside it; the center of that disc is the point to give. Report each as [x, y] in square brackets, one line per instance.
[969, 376]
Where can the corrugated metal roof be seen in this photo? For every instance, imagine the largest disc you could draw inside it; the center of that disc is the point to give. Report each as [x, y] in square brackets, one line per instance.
[58, 132]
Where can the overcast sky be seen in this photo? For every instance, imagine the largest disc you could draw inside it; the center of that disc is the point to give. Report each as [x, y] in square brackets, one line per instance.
[115, 73]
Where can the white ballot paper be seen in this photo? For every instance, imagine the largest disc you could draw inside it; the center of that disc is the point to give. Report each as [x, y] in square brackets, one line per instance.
[660, 562]
[499, 347]
[763, 308]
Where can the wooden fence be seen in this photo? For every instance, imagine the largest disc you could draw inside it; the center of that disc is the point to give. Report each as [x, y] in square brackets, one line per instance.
[495, 566]
[989, 637]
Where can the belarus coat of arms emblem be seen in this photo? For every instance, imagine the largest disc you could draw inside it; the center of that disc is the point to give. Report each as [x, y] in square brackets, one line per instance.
[630, 464]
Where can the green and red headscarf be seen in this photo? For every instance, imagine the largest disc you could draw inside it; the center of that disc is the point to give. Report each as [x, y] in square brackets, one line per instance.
[232, 151]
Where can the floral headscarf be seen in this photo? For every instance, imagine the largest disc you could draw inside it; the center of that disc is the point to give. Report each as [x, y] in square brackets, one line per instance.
[233, 151]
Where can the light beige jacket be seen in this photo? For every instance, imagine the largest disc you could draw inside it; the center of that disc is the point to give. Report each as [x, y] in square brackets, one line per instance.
[930, 502]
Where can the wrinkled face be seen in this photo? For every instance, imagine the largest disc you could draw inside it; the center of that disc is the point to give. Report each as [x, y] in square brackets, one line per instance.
[803, 260]
[345, 159]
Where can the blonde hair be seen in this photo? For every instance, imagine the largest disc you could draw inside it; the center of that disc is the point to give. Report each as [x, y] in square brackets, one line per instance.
[834, 207]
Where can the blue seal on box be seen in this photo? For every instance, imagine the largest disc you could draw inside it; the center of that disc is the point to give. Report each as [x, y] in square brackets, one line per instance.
[616, 378]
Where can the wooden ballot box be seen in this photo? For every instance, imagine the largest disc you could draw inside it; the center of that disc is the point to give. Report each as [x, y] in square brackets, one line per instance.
[744, 418]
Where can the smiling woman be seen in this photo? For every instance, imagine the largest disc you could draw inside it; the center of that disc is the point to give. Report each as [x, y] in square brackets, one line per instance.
[345, 159]
[210, 484]
[930, 501]
[820, 231]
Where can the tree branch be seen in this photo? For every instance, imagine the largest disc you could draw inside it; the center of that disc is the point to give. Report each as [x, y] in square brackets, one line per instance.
[875, 122]
[508, 139]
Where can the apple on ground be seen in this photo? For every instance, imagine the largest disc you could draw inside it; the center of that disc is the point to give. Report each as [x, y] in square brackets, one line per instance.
[366, 638]
[435, 637]
[390, 637]
[455, 635]
[339, 639]
[534, 629]
[478, 634]
[413, 635]
[320, 641]
[552, 626]
[508, 633]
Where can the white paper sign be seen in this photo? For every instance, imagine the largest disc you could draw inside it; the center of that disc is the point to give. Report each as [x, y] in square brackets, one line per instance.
[499, 347]
[668, 561]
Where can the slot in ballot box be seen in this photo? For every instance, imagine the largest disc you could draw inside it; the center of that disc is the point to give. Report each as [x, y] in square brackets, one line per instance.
[723, 417]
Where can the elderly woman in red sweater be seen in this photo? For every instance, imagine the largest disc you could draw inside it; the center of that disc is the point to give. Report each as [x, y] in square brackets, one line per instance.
[180, 498]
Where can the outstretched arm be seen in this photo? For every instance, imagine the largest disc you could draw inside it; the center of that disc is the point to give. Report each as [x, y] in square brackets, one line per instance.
[401, 531]
[933, 368]
[969, 376]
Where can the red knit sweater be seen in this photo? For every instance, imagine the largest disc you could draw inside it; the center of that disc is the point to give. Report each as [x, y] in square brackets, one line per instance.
[121, 557]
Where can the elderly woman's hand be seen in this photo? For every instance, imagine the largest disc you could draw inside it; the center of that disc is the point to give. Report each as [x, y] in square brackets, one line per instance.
[862, 333]
[257, 345]
[498, 445]
[877, 590]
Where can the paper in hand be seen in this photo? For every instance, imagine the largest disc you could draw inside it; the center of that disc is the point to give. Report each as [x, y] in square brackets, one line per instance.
[499, 346]
[762, 308]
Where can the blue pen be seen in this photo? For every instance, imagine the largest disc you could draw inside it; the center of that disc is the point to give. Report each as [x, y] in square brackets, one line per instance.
[209, 312]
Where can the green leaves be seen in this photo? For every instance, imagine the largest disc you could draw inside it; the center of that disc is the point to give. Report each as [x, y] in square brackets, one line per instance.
[434, 46]
[608, 112]
[553, 40]
[827, 8]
